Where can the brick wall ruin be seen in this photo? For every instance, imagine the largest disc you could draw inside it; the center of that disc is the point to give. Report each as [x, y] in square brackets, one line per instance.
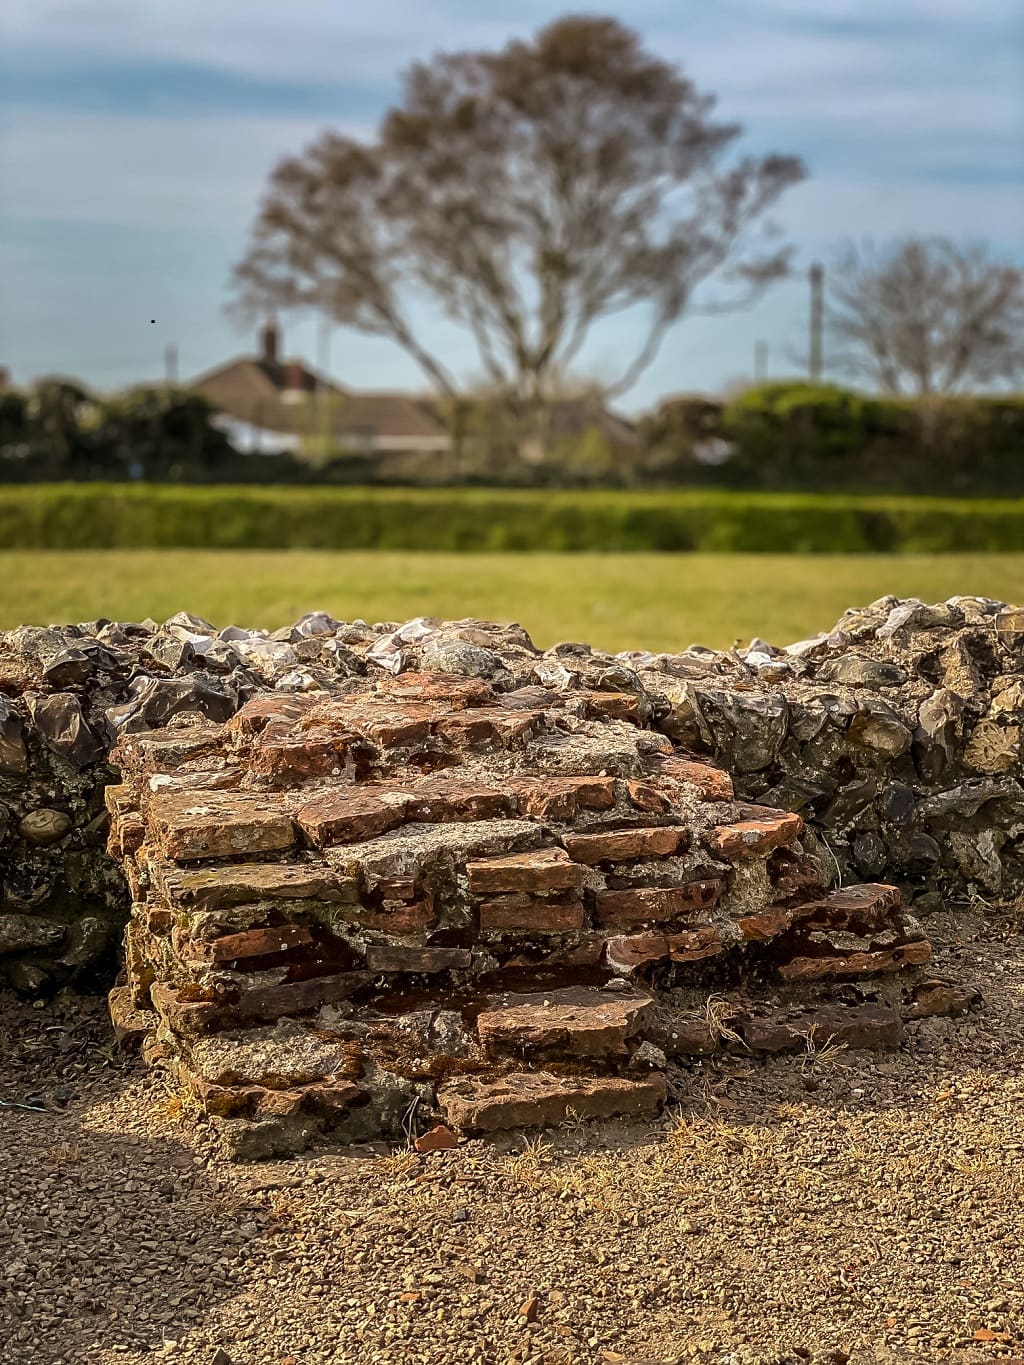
[367, 877]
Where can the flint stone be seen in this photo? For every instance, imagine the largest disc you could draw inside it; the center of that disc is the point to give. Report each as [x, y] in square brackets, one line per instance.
[23, 933]
[13, 753]
[58, 718]
[456, 656]
[861, 670]
[153, 701]
[44, 826]
[749, 728]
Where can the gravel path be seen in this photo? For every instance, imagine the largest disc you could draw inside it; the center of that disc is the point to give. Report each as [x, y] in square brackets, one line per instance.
[835, 1208]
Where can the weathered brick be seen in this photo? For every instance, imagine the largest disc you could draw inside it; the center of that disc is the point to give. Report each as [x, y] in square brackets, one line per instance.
[248, 943]
[545, 869]
[530, 914]
[860, 909]
[443, 799]
[621, 845]
[244, 883]
[627, 952]
[655, 905]
[345, 815]
[712, 783]
[576, 1022]
[853, 1026]
[192, 826]
[754, 838]
[266, 709]
[281, 760]
[130, 1024]
[766, 924]
[398, 917]
[478, 726]
[269, 1003]
[163, 750]
[561, 798]
[645, 796]
[527, 1099]
[452, 689]
[815, 968]
[388, 957]
[612, 705]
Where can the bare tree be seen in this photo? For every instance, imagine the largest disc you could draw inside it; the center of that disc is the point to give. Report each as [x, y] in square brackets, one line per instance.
[927, 316]
[526, 193]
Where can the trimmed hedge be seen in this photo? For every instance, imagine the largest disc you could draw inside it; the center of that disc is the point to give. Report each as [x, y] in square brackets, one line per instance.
[106, 516]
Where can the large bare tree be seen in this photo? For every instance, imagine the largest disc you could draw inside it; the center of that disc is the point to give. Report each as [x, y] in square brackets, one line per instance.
[927, 316]
[525, 194]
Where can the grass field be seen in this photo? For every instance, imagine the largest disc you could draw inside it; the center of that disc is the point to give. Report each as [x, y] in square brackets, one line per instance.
[615, 601]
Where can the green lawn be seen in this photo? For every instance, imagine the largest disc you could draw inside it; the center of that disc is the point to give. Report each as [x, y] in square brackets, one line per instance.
[657, 601]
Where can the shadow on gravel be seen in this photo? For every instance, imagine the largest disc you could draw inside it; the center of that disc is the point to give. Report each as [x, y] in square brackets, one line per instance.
[114, 1241]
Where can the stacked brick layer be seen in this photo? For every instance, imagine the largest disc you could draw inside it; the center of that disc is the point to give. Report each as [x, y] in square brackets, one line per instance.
[436, 897]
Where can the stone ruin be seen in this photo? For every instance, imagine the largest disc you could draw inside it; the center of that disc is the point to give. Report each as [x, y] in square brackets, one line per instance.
[372, 878]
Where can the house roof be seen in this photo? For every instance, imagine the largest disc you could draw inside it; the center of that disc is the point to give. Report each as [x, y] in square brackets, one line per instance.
[263, 392]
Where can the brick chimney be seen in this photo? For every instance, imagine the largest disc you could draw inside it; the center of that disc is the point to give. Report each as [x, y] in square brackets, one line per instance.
[270, 338]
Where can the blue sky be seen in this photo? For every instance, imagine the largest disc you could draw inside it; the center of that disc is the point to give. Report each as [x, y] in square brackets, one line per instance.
[136, 137]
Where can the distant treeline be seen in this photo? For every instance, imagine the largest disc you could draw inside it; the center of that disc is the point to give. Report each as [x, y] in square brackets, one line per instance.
[781, 436]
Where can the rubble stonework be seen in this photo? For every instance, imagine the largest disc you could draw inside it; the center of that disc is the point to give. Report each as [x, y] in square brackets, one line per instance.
[897, 735]
[382, 875]
[428, 898]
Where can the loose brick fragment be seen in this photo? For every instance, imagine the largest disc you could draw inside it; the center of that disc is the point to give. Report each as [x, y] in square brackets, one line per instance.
[535, 1099]
[621, 845]
[931, 998]
[655, 905]
[437, 1139]
[852, 1026]
[544, 869]
[530, 914]
[346, 815]
[754, 838]
[192, 826]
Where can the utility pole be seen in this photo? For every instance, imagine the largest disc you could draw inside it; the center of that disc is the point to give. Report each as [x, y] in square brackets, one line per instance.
[323, 360]
[814, 359]
[171, 366]
[760, 361]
